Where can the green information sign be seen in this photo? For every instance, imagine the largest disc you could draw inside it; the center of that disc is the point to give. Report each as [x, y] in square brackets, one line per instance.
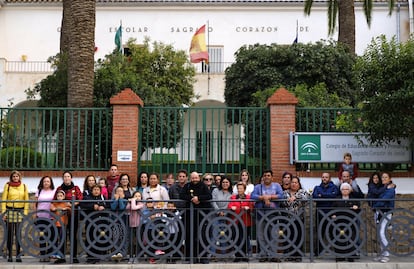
[330, 147]
[309, 148]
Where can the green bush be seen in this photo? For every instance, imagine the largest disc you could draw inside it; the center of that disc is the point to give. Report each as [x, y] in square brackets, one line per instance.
[20, 157]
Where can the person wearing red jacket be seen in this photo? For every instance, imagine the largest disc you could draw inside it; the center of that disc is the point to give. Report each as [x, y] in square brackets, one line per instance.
[112, 179]
[242, 206]
[71, 192]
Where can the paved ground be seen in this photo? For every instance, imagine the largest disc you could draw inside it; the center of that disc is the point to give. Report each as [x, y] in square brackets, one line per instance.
[363, 263]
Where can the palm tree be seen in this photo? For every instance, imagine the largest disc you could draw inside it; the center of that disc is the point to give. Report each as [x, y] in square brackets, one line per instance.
[344, 10]
[81, 50]
[78, 47]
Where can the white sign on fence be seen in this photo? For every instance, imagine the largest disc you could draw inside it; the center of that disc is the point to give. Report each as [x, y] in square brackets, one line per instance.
[330, 147]
[124, 155]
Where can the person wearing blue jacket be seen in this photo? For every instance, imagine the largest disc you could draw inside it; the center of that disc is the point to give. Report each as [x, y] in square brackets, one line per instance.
[118, 204]
[324, 192]
[383, 207]
[375, 188]
[327, 189]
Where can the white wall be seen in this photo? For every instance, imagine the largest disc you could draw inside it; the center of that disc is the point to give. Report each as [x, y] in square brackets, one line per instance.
[404, 185]
[33, 30]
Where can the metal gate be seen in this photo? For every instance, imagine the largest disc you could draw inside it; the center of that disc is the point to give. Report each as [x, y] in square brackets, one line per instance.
[216, 140]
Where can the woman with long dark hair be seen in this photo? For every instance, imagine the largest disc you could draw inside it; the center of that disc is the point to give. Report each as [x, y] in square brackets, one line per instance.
[384, 206]
[44, 195]
[142, 182]
[71, 192]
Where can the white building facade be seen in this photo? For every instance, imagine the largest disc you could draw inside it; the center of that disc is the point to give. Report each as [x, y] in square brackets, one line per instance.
[30, 33]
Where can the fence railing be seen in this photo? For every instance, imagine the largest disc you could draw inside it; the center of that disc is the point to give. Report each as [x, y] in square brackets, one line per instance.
[217, 140]
[319, 119]
[190, 234]
[29, 67]
[55, 138]
[220, 140]
[213, 68]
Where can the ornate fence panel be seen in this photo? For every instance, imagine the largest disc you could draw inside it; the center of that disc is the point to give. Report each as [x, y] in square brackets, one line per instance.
[191, 234]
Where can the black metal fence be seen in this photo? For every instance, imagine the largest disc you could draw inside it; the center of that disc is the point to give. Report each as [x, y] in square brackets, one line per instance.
[193, 235]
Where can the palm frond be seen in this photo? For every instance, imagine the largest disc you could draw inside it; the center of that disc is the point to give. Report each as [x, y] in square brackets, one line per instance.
[367, 6]
[308, 6]
[391, 4]
[332, 15]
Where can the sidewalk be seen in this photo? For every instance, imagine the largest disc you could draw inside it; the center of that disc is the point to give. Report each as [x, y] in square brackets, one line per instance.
[363, 263]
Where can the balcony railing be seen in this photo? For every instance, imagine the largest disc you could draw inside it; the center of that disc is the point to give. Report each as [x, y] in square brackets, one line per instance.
[46, 67]
[212, 68]
[28, 67]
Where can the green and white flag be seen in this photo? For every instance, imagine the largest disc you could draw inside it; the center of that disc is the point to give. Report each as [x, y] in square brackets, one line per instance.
[118, 39]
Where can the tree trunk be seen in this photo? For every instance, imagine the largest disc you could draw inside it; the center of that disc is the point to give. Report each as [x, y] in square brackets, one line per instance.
[78, 28]
[346, 17]
[81, 32]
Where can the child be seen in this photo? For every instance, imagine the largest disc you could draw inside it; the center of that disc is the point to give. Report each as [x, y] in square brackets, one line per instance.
[349, 166]
[119, 204]
[95, 201]
[62, 209]
[104, 187]
[173, 217]
[134, 206]
[149, 217]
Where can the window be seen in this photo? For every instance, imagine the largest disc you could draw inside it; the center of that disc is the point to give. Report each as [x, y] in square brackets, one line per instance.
[212, 150]
[216, 63]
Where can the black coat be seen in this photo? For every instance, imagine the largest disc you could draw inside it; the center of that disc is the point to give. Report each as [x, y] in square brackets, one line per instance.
[199, 189]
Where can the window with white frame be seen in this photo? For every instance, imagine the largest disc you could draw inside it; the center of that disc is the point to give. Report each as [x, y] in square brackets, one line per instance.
[215, 61]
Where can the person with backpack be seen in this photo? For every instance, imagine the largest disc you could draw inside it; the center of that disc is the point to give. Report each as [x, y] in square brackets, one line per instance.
[13, 210]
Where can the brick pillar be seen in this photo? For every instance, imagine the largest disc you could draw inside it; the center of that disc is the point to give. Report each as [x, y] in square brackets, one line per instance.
[125, 107]
[282, 105]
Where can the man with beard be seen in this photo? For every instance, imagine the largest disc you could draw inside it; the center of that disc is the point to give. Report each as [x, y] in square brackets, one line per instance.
[175, 189]
[326, 190]
[197, 196]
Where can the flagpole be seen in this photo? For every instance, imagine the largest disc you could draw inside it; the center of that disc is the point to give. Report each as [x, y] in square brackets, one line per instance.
[297, 28]
[208, 65]
[295, 41]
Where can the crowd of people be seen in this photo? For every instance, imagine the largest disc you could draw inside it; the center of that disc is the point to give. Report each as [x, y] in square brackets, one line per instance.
[205, 193]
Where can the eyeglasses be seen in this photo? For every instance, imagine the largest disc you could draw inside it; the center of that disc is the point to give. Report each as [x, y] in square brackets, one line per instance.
[208, 179]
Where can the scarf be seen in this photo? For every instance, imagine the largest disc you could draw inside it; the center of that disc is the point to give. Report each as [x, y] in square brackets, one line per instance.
[15, 184]
[241, 196]
[67, 187]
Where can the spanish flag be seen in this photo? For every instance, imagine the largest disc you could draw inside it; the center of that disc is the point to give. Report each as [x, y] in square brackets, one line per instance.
[198, 48]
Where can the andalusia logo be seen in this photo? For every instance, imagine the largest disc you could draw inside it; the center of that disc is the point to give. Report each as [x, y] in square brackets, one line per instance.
[309, 148]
